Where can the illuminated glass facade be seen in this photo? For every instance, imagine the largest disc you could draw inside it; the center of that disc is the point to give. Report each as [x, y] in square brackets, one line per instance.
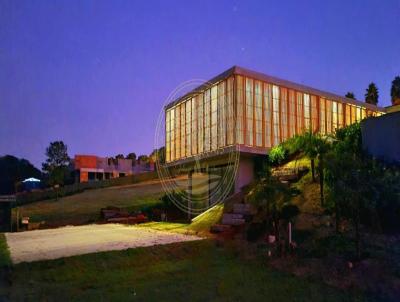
[253, 111]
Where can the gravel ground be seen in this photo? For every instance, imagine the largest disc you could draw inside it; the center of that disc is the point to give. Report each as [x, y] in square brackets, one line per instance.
[76, 240]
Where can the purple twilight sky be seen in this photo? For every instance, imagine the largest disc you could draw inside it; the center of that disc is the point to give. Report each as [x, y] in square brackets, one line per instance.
[95, 74]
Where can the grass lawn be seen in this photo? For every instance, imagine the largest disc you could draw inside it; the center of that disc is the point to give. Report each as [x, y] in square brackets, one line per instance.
[85, 207]
[193, 271]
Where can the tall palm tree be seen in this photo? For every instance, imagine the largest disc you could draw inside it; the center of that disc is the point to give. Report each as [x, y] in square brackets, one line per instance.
[269, 194]
[314, 146]
[371, 94]
[350, 95]
[323, 147]
[395, 91]
[308, 143]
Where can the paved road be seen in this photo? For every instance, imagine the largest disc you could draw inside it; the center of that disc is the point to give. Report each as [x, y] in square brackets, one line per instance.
[76, 240]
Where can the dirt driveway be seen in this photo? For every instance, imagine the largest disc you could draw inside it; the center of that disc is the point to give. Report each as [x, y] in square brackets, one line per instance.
[76, 240]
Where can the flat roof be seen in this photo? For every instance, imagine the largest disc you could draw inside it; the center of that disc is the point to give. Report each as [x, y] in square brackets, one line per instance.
[273, 80]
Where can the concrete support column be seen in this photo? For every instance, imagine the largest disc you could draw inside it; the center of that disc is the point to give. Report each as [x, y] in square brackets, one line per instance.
[190, 189]
[245, 173]
[209, 188]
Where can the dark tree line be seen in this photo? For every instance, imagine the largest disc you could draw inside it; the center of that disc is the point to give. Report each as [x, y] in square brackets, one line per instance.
[13, 170]
[372, 93]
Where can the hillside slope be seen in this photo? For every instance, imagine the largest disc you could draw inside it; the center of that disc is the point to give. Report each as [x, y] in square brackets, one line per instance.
[85, 207]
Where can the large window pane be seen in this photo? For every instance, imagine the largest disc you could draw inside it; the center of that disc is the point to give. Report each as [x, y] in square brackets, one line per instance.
[214, 117]
[168, 135]
[340, 115]
[221, 115]
[207, 120]
[334, 116]
[188, 127]
[194, 125]
[230, 112]
[348, 114]
[284, 123]
[239, 110]
[249, 112]
[268, 114]
[306, 106]
[322, 116]
[258, 112]
[178, 132]
[328, 116]
[183, 133]
[276, 119]
[292, 113]
[200, 123]
[314, 113]
[173, 140]
[358, 114]
[300, 113]
[353, 114]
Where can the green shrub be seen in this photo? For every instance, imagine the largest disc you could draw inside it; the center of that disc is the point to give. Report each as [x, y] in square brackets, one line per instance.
[277, 155]
[166, 204]
[5, 259]
[168, 200]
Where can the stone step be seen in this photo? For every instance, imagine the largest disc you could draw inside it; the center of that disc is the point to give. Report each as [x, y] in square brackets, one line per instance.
[233, 221]
[239, 236]
[242, 208]
[219, 228]
[233, 215]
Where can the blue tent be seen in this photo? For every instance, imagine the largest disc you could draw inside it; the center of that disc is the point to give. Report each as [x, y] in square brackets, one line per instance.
[31, 183]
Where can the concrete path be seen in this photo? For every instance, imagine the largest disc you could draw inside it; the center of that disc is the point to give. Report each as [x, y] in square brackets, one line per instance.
[76, 240]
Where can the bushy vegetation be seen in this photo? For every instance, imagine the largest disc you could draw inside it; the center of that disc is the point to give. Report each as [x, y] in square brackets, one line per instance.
[5, 259]
[277, 155]
[168, 206]
[14, 170]
[360, 189]
[273, 198]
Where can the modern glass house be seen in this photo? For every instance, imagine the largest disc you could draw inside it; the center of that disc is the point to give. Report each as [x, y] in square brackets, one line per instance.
[252, 111]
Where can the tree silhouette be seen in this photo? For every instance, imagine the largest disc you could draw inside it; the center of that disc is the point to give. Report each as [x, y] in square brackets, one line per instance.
[131, 156]
[57, 156]
[395, 91]
[57, 162]
[13, 170]
[371, 94]
[350, 95]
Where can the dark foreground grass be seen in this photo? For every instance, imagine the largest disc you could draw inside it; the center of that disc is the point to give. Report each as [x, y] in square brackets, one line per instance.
[192, 271]
[4, 253]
